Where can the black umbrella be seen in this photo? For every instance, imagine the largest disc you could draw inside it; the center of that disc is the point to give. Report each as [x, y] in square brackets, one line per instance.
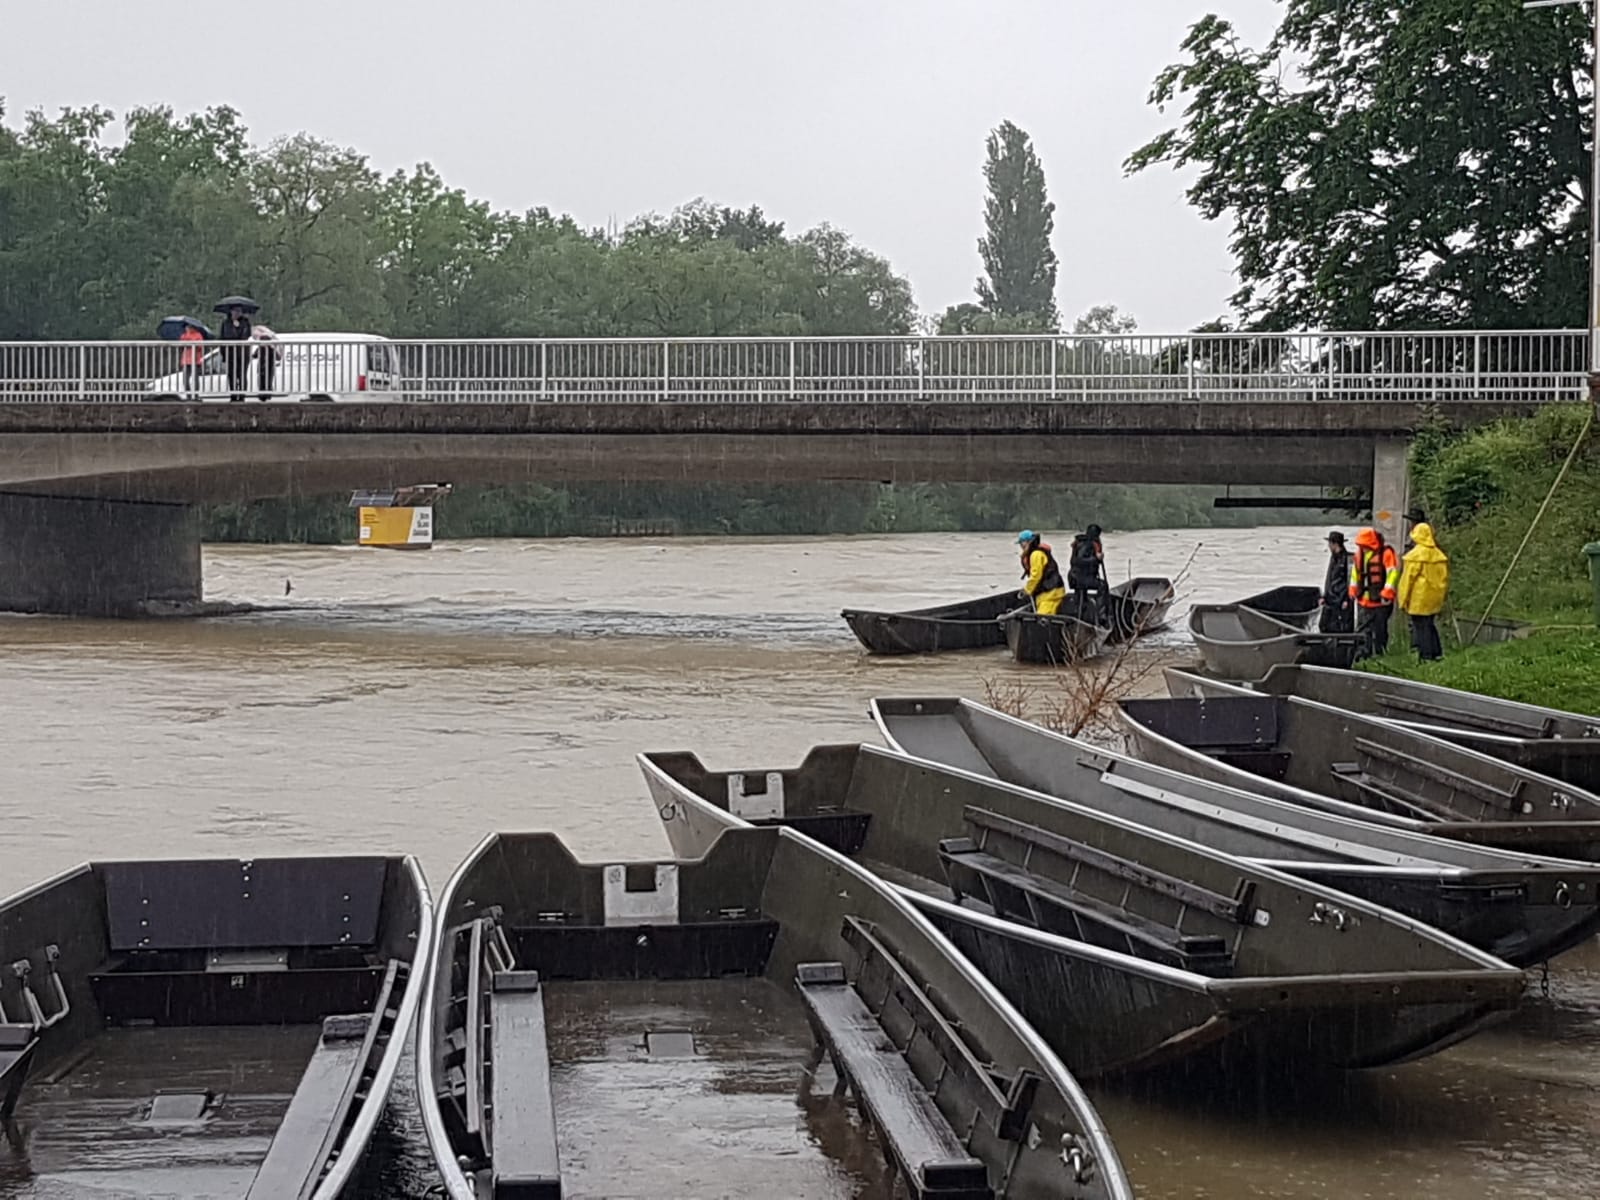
[171, 328]
[228, 303]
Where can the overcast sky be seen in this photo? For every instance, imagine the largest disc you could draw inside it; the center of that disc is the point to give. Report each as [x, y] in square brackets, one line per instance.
[867, 114]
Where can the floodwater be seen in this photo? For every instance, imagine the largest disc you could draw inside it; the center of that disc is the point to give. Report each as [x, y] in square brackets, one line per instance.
[418, 701]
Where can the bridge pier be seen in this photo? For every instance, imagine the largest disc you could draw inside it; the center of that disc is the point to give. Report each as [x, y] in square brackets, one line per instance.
[1391, 488]
[96, 558]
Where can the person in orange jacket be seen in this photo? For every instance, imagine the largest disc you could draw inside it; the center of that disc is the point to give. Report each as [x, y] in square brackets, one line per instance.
[1374, 576]
[192, 358]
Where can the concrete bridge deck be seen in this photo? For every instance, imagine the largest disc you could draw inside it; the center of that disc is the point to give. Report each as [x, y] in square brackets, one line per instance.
[187, 453]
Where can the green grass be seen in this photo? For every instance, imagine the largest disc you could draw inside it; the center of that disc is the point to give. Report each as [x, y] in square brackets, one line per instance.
[1558, 669]
[1482, 490]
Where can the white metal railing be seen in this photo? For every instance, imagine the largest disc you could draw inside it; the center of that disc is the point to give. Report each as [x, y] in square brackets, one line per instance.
[1532, 365]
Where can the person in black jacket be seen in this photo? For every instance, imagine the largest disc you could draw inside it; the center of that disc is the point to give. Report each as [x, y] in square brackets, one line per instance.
[1338, 613]
[236, 329]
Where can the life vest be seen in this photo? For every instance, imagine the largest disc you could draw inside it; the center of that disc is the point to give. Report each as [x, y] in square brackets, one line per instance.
[1085, 562]
[1373, 573]
[1050, 581]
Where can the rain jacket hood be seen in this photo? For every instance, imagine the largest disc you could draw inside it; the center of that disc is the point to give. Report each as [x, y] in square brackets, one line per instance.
[1422, 536]
[1425, 578]
[1368, 538]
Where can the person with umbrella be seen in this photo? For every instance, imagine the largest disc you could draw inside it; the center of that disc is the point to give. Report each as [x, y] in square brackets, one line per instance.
[236, 329]
[191, 334]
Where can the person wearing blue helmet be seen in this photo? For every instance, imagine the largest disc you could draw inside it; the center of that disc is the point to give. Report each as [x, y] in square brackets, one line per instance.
[1041, 578]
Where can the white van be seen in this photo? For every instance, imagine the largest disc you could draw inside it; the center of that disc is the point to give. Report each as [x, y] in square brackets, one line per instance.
[308, 367]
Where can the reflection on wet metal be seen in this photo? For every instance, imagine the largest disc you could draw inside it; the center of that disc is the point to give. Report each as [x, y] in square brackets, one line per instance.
[670, 1043]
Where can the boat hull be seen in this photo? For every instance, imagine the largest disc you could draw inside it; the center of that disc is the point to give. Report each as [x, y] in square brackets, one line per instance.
[1106, 1004]
[1522, 910]
[970, 625]
[1139, 606]
[1056, 639]
[678, 977]
[1238, 642]
[1293, 605]
[1285, 748]
[1563, 745]
[182, 1001]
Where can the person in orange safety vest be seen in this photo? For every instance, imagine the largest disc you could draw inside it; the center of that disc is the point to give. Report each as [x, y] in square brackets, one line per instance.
[1374, 576]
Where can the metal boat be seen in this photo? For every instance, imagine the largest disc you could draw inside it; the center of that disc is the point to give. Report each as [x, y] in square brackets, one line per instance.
[970, 625]
[1240, 643]
[1124, 946]
[659, 1029]
[1519, 908]
[209, 1027]
[1563, 745]
[1058, 638]
[1293, 605]
[1138, 606]
[1339, 761]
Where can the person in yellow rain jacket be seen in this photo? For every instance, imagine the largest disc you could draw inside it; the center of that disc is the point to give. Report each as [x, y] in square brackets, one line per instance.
[1041, 578]
[1424, 584]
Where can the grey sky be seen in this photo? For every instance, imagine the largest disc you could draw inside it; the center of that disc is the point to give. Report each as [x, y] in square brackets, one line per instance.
[868, 115]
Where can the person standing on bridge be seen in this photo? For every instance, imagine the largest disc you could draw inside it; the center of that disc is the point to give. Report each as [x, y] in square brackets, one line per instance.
[1041, 577]
[236, 329]
[1374, 576]
[1338, 608]
[1424, 584]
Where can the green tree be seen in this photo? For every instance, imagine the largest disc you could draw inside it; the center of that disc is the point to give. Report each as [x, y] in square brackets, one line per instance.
[1018, 261]
[1392, 166]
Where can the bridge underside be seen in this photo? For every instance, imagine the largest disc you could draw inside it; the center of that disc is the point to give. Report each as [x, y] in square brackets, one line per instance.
[215, 467]
[196, 453]
[131, 471]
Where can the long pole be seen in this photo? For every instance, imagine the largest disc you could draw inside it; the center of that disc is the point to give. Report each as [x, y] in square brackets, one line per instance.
[1594, 193]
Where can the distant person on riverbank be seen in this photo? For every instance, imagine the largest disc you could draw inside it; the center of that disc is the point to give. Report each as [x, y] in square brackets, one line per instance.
[1338, 608]
[1424, 585]
[1041, 577]
[1374, 576]
[1086, 573]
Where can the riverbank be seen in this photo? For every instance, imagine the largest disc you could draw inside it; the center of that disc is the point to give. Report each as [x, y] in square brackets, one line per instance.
[1482, 492]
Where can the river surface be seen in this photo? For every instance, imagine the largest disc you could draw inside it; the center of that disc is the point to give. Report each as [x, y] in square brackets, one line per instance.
[417, 701]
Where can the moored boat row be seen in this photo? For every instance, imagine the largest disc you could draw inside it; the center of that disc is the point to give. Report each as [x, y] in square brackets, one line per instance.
[881, 972]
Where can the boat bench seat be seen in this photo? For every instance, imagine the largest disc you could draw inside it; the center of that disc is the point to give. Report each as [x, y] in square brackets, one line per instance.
[990, 876]
[979, 867]
[316, 1112]
[931, 1158]
[527, 1165]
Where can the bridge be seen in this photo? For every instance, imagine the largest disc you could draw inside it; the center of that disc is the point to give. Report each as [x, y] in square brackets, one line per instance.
[106, 447]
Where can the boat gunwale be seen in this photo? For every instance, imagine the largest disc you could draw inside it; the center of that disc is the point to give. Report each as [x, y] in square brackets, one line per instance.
[372, 1108]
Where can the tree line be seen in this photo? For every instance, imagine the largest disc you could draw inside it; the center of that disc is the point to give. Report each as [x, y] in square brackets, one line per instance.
[1394, 168]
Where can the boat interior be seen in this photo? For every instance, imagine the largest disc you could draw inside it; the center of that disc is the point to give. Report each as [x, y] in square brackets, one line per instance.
[216, 1028]
[763, 1020]
[1059, 867]
[1359, 759]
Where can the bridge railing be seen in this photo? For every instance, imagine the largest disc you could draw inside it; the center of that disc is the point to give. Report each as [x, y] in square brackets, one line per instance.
[1533, 366]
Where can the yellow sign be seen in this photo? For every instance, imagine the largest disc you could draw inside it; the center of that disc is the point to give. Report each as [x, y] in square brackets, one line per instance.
[399, 528]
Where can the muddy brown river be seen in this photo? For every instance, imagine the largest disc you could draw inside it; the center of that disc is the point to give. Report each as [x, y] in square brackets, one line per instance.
[416, 701]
